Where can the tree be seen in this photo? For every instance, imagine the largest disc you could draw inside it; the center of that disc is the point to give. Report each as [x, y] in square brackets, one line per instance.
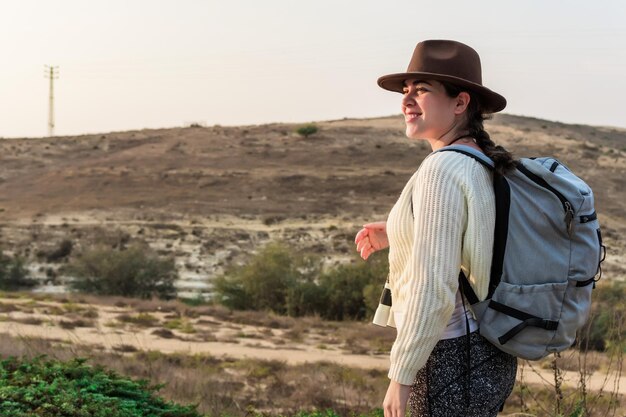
[307, 130]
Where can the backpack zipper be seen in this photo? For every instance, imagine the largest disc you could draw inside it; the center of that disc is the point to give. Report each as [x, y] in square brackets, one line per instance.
[567, 206]
[569, 216]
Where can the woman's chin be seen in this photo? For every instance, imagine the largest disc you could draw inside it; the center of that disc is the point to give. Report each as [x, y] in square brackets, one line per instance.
[412, 134]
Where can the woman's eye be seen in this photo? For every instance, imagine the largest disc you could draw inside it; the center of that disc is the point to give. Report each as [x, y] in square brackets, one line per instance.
[418, 91]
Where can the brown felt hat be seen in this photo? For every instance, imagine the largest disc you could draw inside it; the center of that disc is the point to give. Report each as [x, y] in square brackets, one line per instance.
[451, 61]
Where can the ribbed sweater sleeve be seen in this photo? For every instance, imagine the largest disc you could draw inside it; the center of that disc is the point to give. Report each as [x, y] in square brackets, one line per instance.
[442, 189]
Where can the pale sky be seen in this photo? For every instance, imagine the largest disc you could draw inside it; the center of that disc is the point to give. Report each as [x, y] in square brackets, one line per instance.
[134, 64]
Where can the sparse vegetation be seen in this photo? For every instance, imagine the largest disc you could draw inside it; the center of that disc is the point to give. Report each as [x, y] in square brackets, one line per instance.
[239, 387]
[135, 271]
[242, 381]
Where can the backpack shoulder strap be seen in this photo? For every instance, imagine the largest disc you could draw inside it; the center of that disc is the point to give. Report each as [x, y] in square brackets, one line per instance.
[467, 151]
[472, 153]
[502, 193]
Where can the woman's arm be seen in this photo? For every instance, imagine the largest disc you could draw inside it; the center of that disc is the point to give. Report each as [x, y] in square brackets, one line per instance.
[430, 282]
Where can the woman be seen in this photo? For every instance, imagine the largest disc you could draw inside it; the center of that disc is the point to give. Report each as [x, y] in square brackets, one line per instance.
[442, 223]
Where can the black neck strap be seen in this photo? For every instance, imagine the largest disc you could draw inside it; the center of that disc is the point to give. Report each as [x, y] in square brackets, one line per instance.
[460, 137]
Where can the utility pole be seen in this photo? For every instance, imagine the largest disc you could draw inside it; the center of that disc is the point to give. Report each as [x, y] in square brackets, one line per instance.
[51, 72]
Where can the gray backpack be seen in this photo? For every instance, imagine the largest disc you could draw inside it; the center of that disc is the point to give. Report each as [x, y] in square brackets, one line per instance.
[547, 253]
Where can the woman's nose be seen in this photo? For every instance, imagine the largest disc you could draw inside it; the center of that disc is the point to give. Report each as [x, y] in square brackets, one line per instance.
[408, 100]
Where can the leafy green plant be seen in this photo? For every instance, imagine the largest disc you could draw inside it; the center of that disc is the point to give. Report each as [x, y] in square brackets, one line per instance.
[307, 130]
[135, 271]
[51, 388]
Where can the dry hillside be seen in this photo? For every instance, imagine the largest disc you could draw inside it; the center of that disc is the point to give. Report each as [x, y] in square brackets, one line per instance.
[211, 195]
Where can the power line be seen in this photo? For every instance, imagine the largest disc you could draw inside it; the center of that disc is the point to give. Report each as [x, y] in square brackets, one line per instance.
[52, 73]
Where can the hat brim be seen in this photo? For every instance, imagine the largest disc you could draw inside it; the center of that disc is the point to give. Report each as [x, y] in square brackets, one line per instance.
[491, 101]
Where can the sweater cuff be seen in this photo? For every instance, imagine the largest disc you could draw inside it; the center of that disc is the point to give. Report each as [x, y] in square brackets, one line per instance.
[401, 375]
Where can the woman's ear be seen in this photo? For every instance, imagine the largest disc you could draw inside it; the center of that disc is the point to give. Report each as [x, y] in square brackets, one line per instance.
[462, 101]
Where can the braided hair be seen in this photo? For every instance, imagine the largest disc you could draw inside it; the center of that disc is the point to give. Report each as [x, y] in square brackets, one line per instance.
[502, 158]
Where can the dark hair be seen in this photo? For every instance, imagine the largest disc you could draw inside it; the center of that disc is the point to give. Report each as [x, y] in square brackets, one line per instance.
[502, 158]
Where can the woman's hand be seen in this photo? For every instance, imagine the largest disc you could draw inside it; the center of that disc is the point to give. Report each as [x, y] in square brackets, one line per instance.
[371, 238]
[396, 398]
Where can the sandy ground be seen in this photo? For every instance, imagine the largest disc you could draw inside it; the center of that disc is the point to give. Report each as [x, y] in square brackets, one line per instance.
[227, 339]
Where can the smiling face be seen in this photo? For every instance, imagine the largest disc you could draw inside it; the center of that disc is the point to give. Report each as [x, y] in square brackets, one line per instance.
[429, 113]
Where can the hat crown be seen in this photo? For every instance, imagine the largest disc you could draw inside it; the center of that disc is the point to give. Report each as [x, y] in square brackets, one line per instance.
[446, 58]
[449, 61]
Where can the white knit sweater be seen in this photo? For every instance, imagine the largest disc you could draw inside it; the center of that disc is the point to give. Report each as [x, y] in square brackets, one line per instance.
[454, 207]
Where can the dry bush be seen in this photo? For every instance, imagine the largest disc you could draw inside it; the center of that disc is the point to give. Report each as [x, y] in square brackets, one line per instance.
[206, 336]
[12, 294]
[35, 321]
[296, 333]
[90, 313]
[182, 325]
[205, 322]
[355, 347]
[263, 318]
[53, 311]
[164, 333]
[360, 338]
[125, 348]
[8, 307]
[141, 319]
[72, 324]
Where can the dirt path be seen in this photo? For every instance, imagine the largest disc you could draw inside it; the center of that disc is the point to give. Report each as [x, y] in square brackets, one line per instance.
[30, 319]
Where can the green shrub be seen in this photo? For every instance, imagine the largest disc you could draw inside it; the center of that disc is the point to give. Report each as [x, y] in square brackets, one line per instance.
[53, 389]
[352, 291]
[285, 282]
[13, 274]
[132, 272]
[605, 327]
[276, 279]
[307, 130]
